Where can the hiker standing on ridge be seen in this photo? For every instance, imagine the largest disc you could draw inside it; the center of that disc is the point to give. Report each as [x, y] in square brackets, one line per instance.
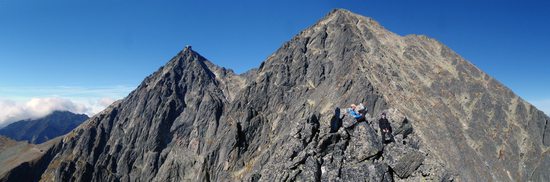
[385, 128]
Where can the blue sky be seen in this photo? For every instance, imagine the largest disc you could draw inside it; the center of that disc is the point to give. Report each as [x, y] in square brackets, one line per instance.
[76, 49]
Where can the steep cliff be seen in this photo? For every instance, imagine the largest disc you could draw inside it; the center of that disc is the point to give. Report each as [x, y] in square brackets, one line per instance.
[192, 120]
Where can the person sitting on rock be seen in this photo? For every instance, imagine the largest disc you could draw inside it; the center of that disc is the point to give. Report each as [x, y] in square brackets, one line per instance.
[385, 128]
[356, 114]
[361, 109]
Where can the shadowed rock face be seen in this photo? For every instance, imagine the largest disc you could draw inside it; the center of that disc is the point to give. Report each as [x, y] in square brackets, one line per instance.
[192, 120]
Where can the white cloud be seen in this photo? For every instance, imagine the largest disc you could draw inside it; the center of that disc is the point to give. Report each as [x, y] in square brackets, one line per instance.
[543, 105]
[11, 111]
[44, 106]
[98, 105]
[105, 101]
[18, 103]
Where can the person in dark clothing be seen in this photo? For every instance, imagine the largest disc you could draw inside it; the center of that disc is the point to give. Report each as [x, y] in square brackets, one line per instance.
[385, 129]
[361, 109]
[336, 121]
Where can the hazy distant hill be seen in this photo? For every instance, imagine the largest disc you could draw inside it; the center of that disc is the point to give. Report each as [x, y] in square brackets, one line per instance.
[43, 129]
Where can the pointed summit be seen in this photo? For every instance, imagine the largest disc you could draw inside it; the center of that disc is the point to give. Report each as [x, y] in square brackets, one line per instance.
[343, 16]
[185, 61]
[339, 11]
[342, 12]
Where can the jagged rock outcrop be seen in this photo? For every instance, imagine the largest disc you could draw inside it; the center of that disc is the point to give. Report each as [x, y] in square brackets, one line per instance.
[194, 121]
[43, 129]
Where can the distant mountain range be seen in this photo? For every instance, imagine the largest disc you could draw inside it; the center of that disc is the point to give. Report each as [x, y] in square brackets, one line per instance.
[40, 130]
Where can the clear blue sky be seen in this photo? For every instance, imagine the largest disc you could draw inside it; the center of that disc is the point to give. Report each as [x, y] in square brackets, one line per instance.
[115, 43]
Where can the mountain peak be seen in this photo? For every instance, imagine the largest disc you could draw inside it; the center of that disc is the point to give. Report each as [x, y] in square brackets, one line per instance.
[342, 16]
[65, 113]
[340, 11]
[194, 121]
[188, 50]
[343, 12]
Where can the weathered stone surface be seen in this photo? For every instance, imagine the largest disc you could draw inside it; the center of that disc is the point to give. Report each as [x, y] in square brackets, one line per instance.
[364, 143]
[541, 172]
[194, 121]
[366, 172]
[403, 160]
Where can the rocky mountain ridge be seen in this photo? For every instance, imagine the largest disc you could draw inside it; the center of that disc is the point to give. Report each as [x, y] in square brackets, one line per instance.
[194, 121]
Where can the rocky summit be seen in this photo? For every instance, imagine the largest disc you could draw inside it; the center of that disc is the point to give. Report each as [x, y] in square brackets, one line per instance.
[286, 120]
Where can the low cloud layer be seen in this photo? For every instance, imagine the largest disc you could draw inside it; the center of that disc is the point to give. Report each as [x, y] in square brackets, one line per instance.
[105, 101]
[11, 111]
[18, 103]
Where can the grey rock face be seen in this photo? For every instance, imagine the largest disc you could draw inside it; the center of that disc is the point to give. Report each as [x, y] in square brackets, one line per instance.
[194, 121]
[365, 143]
[404, 161]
